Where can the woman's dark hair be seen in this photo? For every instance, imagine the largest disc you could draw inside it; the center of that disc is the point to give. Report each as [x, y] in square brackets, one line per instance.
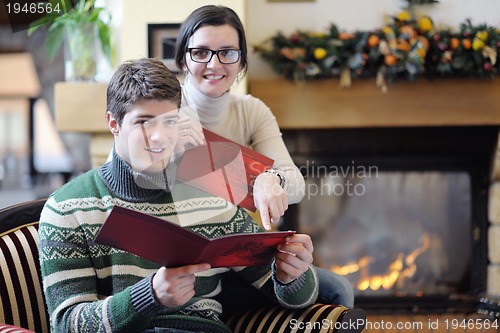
[139, 80]
[214, 16]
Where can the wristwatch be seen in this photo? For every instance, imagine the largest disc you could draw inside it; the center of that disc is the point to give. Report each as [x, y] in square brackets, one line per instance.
[279, 174]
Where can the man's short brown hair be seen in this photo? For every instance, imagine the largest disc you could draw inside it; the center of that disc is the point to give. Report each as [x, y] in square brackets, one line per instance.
[139, 80]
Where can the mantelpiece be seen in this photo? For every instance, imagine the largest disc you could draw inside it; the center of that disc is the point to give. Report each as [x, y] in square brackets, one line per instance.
[80, 107]
[323, 104]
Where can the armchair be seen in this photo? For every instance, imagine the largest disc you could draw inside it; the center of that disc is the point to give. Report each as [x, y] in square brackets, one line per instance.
[22, 303]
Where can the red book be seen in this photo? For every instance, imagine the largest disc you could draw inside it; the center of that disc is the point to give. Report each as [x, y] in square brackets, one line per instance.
[223, 168]
[171, 245]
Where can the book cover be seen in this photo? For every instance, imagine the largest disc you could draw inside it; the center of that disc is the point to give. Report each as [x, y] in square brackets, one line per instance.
[171, 245]
[223, 168]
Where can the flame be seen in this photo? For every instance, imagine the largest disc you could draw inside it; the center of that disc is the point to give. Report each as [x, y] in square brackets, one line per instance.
[401, 268]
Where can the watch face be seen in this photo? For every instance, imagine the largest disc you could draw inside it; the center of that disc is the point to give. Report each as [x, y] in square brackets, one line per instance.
[279, 175]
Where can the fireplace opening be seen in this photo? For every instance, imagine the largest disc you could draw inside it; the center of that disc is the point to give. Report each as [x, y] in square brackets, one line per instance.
[400, 212]
[411, 231]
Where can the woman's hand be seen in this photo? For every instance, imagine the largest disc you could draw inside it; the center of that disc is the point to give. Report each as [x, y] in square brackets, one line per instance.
[190, 135]
[175, 286]
[270, 198]
[293, 257]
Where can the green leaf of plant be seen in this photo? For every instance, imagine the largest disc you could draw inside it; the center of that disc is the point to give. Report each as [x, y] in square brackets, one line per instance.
[89, 5]
[104, 36]
[93, 17]
[56, 25]
[54, 41]
[43, 21]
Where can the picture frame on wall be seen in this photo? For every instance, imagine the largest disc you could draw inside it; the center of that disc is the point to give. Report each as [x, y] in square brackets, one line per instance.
[161, 43]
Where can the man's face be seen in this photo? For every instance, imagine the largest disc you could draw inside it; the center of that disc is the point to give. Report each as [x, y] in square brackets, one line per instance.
[147, 136]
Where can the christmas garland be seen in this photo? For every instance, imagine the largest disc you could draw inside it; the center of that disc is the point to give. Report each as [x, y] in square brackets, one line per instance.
[406, 47]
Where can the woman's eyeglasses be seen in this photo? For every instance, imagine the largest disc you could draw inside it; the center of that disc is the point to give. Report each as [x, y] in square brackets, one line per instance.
[227, 56]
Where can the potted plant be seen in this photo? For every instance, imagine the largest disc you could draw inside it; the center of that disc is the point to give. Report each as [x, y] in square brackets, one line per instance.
[80, 28]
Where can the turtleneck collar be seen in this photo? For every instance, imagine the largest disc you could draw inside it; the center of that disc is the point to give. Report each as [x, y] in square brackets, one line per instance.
[211, 110]
[132, 186]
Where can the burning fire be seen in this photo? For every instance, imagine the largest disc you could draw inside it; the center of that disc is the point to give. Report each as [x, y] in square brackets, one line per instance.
[403, 267]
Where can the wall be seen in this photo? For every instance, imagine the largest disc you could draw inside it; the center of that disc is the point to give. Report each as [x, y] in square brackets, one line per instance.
[137, 14]
[350, 16]
[131, 18]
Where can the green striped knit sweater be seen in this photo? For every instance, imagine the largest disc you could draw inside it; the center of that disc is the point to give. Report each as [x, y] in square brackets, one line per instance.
[94, 288]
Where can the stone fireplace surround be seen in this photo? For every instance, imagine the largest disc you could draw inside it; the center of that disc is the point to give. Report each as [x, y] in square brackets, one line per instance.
[415, 150]
[322, 105]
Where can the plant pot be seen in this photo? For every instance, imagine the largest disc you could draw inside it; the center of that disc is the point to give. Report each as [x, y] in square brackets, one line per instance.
[80, 53]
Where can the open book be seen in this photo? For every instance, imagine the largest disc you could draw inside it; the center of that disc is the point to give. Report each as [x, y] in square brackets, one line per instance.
[223, 168]
[171, 245]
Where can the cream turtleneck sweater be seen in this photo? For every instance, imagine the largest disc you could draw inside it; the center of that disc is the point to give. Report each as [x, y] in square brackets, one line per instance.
[249, 122]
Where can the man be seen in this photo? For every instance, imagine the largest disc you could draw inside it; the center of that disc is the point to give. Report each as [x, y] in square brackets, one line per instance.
[94, 288]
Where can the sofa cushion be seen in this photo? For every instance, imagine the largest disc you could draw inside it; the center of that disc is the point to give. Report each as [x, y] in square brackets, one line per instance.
[21, 297]
[318, 318]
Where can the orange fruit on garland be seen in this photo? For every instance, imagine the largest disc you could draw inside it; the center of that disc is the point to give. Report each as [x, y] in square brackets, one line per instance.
[403, 45]
[466, 43]
[454, 43]
[390, 60]
[373, 40]
[345, 36]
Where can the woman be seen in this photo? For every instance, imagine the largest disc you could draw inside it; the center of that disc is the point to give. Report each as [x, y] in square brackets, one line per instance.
[213, 56]
[211, 50]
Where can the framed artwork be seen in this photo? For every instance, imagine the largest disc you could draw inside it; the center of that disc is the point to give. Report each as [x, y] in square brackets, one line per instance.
[161, 43]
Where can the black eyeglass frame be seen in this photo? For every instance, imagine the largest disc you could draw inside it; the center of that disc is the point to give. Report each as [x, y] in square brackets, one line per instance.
[189, 50]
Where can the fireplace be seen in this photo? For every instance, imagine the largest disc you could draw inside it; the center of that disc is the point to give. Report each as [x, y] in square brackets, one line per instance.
[400, 211]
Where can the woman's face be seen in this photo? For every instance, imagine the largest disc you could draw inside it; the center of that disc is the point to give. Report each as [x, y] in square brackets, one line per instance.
[213, 78]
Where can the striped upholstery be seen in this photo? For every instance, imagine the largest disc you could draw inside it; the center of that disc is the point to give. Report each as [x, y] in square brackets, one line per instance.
[318, 318]
[21, 297]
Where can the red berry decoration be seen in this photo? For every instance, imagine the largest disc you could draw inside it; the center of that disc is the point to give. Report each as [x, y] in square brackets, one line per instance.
[487, 66]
